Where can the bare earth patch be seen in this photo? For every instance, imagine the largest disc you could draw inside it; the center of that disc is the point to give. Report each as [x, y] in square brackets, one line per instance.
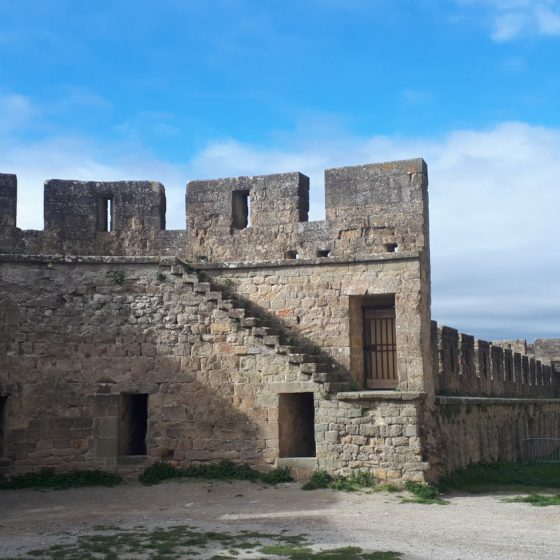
[269, 519]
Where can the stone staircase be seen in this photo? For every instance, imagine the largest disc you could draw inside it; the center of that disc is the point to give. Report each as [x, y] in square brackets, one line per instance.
[312, 365]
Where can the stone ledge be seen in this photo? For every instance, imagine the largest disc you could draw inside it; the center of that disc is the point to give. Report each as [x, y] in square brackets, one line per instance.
[297, 462]
[380, 396]
[317, 261]
[440, 399]
[133, 460]
[88, 259]
[237, 265]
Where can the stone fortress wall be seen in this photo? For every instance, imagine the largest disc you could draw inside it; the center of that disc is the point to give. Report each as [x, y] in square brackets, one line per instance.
[466, 366]
[237, 334]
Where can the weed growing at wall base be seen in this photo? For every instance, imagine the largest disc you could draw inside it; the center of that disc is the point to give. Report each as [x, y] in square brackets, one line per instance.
[351, 483]
[47, 478]
[423, 494]
[224, 470]
[364, 480]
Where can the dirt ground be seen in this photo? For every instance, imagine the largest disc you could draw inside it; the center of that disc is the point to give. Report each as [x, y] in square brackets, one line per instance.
[471, 527]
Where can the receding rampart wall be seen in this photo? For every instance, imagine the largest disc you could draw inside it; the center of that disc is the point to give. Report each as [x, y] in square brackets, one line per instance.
[473, 430]
[490, 398]
[468, 367]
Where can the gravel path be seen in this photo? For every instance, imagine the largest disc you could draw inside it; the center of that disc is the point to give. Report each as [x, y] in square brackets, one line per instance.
[471, 527]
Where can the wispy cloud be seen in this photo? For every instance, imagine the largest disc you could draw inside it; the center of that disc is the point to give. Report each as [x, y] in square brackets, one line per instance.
[16, 111]
[510, 19]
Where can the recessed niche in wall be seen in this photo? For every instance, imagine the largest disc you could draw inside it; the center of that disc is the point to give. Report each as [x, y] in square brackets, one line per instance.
[296, 425]
[133, 424]
[291, 255]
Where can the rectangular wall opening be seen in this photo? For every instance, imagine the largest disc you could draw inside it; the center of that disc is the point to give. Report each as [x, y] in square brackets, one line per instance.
[133, 424]
[3, 402]
[296, 423]
[240, 210]
[373, 343]
[105, 220]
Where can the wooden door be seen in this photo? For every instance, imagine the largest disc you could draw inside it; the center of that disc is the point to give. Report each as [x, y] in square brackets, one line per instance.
[380, 348]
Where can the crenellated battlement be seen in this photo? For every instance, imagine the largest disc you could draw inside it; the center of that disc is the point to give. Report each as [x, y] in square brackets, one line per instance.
[466, 366]
[370, 209]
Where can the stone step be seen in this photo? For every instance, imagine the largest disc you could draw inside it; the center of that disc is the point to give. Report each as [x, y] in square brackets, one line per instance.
[249, 322]
[283, 349]
[202, 287]
[302, 358]
[339, 386]
[264, 331]
[271, 340]
[314, 367]
[237, 313]
[325, 377]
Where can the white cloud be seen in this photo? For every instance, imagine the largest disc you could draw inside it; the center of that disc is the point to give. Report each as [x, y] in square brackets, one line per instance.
[510, 19]
[494, 199]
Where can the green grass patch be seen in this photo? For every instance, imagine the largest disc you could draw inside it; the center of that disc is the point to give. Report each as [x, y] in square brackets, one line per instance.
[224, 470]
[180, 542]
[536, 500]
[503, 475]
[48, 478]
[391, 488]
[360, 480]
[423, 493]
[351, 483]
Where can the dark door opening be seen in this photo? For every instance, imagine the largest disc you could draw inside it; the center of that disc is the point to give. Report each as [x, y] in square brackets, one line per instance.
[380, 347]
[3, 401]
[133, 424]
[296, 423]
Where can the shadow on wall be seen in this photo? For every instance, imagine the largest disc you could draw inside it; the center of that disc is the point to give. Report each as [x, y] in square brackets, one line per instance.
[74, 347]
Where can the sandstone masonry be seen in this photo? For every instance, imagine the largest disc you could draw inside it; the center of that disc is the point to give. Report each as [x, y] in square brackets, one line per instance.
[253, 335]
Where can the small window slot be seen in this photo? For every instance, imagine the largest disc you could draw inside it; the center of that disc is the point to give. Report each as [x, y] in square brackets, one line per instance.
[323, 253]
[240, 210]
[392, 248]
[105, 214]
[291, 255]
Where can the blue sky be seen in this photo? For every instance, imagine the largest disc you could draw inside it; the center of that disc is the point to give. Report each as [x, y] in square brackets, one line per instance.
[177, 90]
